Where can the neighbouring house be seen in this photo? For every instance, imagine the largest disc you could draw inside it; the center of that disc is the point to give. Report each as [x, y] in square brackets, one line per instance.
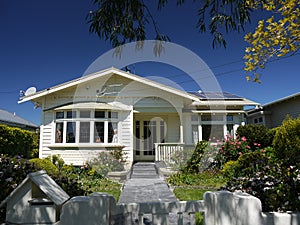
[11, 119]
[272, 114]
[116, 109]
[37, 200]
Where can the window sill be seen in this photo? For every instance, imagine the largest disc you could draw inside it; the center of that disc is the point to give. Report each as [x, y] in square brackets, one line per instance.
[86, 145]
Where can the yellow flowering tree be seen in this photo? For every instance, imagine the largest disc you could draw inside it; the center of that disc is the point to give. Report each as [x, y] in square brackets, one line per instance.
[274, 37]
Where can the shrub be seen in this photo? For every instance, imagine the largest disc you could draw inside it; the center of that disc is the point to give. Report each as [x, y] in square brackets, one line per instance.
[45, 164]
[18, 142]
[230, 169]
[287, 141]
[179, 158]
[106, 162]
[201, 159]
[230, 150]
[256, 134]
[273, 182]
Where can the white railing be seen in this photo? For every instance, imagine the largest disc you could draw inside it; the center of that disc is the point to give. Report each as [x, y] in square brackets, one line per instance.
[164, 151]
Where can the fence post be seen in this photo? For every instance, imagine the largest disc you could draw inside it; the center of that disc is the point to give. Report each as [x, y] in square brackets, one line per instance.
[92, 210]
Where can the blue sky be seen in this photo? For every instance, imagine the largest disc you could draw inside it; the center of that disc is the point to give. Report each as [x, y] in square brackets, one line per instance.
[44, 43]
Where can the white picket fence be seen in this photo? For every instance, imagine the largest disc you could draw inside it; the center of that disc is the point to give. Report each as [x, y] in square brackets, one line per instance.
[219, 208]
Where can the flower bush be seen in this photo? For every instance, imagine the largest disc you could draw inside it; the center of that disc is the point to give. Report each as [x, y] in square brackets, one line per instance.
[231, 149]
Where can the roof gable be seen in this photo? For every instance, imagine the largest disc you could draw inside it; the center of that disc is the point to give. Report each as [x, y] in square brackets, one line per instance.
[102, 73]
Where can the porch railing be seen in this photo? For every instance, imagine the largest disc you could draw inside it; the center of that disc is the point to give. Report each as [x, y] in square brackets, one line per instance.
[164, 151]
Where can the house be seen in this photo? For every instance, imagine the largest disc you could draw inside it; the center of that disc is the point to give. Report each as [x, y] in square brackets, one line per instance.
[116, 109]
[272, 114]
[11, 119]
[37, 200]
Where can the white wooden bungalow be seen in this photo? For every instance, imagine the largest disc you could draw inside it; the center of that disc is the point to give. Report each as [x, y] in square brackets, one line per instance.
[116, 109]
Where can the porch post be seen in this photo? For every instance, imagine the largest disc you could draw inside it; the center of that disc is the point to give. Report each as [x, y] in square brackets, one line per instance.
[181, 126]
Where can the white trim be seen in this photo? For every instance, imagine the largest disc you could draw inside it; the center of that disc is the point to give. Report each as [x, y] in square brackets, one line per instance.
[225, 102]
[218, 111]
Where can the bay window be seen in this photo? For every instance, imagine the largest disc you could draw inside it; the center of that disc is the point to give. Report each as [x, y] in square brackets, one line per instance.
[86, 126]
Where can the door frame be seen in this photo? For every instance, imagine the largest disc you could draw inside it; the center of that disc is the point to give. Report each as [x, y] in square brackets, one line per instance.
[139, 141]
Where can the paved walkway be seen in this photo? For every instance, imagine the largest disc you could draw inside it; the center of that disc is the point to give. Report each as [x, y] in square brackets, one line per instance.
[145, 186]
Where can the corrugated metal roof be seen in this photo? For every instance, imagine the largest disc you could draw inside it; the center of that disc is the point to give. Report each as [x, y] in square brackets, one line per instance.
[6, 116]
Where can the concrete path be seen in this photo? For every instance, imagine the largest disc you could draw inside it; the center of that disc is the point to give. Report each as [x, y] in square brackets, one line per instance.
[145, 185]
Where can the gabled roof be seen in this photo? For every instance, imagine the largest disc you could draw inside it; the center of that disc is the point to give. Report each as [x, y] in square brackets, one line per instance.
[282, 99]
[109, 71]
[47, 185]
[10, 118]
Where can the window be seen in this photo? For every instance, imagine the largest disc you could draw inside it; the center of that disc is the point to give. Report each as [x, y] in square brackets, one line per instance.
[195, 133]
[85, 114]
[212, 132]
[59, 115]
[99, 114]
[59, 132]
[194, 118]
[86, 126]
[99, 132]
[229, 118]
[84, 136]
[71, 114]
[71, 132]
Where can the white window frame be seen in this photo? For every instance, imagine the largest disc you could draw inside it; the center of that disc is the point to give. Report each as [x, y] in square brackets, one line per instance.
[92, 120]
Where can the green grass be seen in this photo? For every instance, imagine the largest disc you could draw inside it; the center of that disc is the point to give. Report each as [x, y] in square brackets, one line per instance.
[205, 180]
[193, 186]
[101, 185]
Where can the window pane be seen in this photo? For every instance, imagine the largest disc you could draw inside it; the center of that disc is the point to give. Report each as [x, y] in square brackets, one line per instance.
[59, 115]
[195, 118]
[113, 115]
[59, 133]
[99, 114]
[71, 114]
[99, 132]
[71, 132]
[85, 114]
[195, 133]
[212, 132]
[206, 117]
[112, 132]
[137, 135]
[84, 136]
[229, 118]
[217, 118]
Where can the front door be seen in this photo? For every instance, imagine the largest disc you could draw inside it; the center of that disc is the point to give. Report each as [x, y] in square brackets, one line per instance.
[147, 133]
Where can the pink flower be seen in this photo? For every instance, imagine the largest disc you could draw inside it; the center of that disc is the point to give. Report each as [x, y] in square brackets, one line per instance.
[248, 147]
[240, 153]
[258, 145]
[244, 139]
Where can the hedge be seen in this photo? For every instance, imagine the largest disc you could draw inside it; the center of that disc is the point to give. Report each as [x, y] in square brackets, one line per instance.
[17, 142]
